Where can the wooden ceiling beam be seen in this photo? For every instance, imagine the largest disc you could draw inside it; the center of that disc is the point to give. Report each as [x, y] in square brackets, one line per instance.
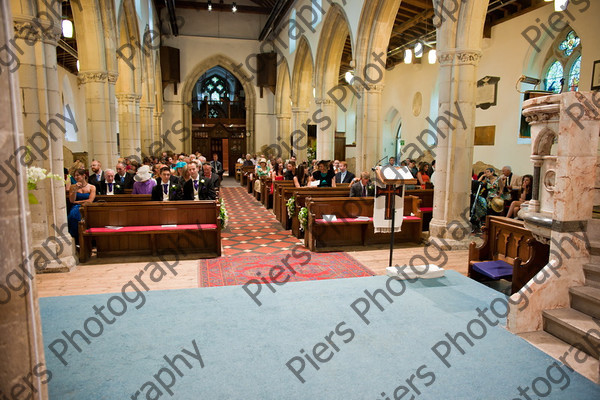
[221, 7]
[423, 16]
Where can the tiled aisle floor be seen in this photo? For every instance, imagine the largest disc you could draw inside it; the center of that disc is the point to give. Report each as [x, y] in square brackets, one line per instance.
[252, 228]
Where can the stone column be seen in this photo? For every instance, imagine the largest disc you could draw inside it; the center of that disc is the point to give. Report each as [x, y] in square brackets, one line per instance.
[299, 132]
[21, 342]
[368, 126]
[156, 132]
[129, 124]
[283, 134]
[326, 129]
[450, 225]
[100, 109]
[44, 122]
[534, 203]
[146, 132]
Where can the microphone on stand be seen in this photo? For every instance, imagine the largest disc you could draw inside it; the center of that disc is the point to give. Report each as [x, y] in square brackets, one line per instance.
[377, 164]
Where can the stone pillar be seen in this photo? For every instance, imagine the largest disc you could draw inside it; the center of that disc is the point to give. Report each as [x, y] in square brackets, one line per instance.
[21, 342]
[283, 134]
[156, 132]
[146, 127]
[300, 135]
[326, 129]
[573, 201]
[44, 122]
[100, 109]
[534, 203]
[450, 225]
[368, 126]
[129, 124]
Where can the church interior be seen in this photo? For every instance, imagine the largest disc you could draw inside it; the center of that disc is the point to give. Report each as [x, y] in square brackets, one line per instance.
[300, 199]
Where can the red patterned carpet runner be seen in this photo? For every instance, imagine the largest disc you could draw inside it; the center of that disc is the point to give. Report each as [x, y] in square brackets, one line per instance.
[255, 241]
[237, 270]
[252, 228]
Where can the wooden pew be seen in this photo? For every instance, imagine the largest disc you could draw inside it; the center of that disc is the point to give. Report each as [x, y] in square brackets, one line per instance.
[197, 228]
[506, 239]
[246, 171]
[288, 191]
[426, 196]
[322, 235]
[117, 198]
[238, 171]
[302, 195]
[277, 192]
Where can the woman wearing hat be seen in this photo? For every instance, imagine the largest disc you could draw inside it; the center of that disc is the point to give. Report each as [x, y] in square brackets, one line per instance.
[262, 169]
[493, 187]
[324, 175]
[143, 181]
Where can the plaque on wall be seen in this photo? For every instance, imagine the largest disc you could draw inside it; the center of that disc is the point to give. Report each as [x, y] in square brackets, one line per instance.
[485, 135]
[487, 92]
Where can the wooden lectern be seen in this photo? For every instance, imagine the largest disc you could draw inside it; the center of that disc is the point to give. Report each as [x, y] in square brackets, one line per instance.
[393, 187]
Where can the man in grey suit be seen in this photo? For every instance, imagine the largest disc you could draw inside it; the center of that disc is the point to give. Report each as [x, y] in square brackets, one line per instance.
[362, 188]
[344, 176]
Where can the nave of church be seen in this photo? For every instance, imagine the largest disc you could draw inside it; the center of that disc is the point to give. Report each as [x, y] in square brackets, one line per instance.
[300, 199]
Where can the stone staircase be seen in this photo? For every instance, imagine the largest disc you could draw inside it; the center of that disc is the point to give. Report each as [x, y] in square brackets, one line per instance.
[570, 331]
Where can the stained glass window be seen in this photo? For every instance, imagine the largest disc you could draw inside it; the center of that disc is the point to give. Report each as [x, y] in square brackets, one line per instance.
[215, 88]
[553, 77]
[574, 74]
[570, 43]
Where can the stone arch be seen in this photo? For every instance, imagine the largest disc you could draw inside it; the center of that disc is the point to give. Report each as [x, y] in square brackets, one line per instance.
[236, 70]
[328, 59]
[542, 144]
[302, 85]
[129, 81]
[376, 22]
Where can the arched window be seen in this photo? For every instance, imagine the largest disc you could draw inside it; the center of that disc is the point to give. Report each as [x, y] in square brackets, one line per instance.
[399, 143]
[293, 31]
[215, 88]
[564, 64]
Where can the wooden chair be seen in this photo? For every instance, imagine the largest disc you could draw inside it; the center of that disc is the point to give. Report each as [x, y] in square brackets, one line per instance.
[506, 244]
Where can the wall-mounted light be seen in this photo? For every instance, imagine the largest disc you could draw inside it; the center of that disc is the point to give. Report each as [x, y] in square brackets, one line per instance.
[234, 7]
[349, 77]
[77, 64]
[407, 56]
[418, 49]
[527, 79]
[314, 92]
[560, 5]
[209, 5]
[432, 56]
[67, 28]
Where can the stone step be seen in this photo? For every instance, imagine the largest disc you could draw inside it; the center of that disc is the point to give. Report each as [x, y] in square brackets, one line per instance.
[592, 274]
[564, 353]
[575, 328]
[586, 299]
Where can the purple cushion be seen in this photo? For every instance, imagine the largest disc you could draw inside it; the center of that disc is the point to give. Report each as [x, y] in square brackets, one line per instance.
[494, 269]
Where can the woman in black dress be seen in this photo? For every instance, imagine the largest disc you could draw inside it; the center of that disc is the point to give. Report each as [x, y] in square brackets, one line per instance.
[324, 175]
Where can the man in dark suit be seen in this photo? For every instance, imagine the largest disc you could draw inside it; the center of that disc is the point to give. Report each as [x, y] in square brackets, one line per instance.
[198, 187]
[209, 175]
[123, 178]
[97, 175]
[362, 188]
[217, 167]
[344, 176]
[108, 185]
[165, 190]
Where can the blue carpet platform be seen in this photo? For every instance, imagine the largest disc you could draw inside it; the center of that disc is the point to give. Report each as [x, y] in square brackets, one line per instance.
[309, 340]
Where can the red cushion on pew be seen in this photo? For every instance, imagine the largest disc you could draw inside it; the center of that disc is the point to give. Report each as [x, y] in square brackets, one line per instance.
[340, 221]
[426, 209]
[410, 218]
[143, 228]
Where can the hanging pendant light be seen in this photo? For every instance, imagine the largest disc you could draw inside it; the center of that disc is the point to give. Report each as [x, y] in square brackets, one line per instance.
[67, 28]
[407, 56]
[432, 56]
[234, 7]
[560, 5]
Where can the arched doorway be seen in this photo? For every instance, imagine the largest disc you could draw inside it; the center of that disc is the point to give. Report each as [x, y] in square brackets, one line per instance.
[219, 117]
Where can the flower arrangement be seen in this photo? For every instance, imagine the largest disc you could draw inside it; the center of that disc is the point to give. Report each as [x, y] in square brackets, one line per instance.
[303, 218]
[223, 215]
[311, 152]
[35, 175]
[291, 206]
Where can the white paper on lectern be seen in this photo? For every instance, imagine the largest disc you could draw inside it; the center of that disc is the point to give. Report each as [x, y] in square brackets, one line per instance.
[390, 172]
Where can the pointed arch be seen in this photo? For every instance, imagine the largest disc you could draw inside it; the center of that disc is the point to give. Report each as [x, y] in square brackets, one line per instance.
[236, 70]
[283, 89]
[336, 29]
[302, 77]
